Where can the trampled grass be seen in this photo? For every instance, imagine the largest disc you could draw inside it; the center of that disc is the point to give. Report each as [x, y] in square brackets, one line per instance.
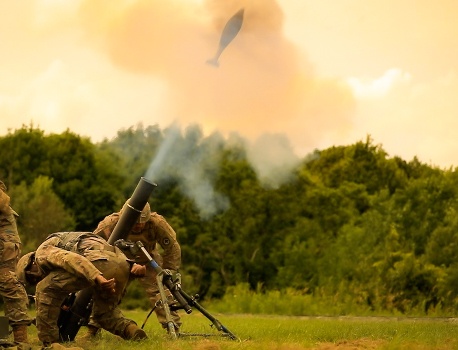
[286, 333]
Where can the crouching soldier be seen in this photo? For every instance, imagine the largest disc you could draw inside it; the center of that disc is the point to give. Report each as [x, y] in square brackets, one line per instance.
[154, 232]
[67, 262]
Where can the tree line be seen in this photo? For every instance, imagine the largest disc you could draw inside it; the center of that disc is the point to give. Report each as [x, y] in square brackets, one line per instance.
[351, 221]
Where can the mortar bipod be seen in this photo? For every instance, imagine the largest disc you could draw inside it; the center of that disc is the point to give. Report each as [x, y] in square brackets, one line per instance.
[183, 301]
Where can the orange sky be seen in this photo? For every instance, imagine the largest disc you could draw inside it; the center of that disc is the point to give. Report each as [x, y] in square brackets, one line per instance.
[322, 73]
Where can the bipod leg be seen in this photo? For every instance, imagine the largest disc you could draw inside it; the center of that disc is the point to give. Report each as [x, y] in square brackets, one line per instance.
[163, 277]
[215, 322]
[149, 314]
[165, 305]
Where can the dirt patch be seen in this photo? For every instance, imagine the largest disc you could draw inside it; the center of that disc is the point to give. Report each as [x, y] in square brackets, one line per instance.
[357, 344]
[370, 344]
[207, 345]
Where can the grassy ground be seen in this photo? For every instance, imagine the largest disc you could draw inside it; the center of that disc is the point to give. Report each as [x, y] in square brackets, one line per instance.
[286, 333]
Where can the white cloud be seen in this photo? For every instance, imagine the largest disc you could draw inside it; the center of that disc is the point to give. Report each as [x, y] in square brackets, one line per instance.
[378, 87]
[412, 118]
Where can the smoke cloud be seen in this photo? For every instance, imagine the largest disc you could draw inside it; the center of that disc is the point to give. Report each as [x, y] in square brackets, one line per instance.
[262, 84]
[192, 160]
[262, 89]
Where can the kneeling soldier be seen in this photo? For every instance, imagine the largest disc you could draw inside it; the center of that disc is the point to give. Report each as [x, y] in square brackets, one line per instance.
[67, 262]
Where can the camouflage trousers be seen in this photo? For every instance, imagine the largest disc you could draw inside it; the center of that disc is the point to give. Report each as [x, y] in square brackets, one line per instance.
[149, 284]
[12, 291]
[55, 287]
[14, 297]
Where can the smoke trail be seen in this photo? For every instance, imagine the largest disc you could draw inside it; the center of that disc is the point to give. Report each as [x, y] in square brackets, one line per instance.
[191, 161]
[163, 153]
[273, 159]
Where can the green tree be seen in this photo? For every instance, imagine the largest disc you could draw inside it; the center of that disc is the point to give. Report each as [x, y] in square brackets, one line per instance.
[23, 155]
[422, 206]
[442, 246]
[133, 150]
[85, 180]
[84, 188]
[41, 212]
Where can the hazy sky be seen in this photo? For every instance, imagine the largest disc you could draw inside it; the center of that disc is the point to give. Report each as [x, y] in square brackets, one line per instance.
[324, 73]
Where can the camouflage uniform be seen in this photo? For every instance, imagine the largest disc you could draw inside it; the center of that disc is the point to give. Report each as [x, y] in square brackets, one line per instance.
[12, 291]
[156, 230]
[68, 271]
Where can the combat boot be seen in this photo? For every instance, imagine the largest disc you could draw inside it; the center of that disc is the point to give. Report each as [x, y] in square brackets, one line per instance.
[133, 332]
[20, 333]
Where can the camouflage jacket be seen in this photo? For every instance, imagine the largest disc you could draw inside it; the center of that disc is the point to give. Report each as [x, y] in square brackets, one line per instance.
[5, 209]
[8, 229]
[156, 230]
[50, 255]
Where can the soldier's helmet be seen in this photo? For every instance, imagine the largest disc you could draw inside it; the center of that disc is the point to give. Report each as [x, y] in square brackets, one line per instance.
[23, 266]
[144, 215]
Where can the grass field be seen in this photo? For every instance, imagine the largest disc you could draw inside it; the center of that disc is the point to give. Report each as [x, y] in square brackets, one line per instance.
[286, 333]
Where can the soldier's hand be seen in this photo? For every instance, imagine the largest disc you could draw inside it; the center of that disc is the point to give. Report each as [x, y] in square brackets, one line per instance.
[107, 285]
[138, 270]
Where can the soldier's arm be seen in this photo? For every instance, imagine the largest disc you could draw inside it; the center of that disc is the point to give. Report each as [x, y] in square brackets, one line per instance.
[4, 202]
[106, 226]
[167, 239]
[48, 257]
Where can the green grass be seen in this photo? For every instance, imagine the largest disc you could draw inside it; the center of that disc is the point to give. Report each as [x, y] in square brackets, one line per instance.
[240, 299]
[287, 333]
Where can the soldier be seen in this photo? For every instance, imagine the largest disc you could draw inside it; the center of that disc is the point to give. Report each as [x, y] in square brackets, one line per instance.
[151, 229]
[67, 262]
[12, 291]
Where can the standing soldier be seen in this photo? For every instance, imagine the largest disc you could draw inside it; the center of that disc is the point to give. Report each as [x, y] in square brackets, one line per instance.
[12, 291]
[67, 262]
[151, 229]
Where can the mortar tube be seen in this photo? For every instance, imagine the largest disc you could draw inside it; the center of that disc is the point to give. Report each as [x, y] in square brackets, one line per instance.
[132, 210]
